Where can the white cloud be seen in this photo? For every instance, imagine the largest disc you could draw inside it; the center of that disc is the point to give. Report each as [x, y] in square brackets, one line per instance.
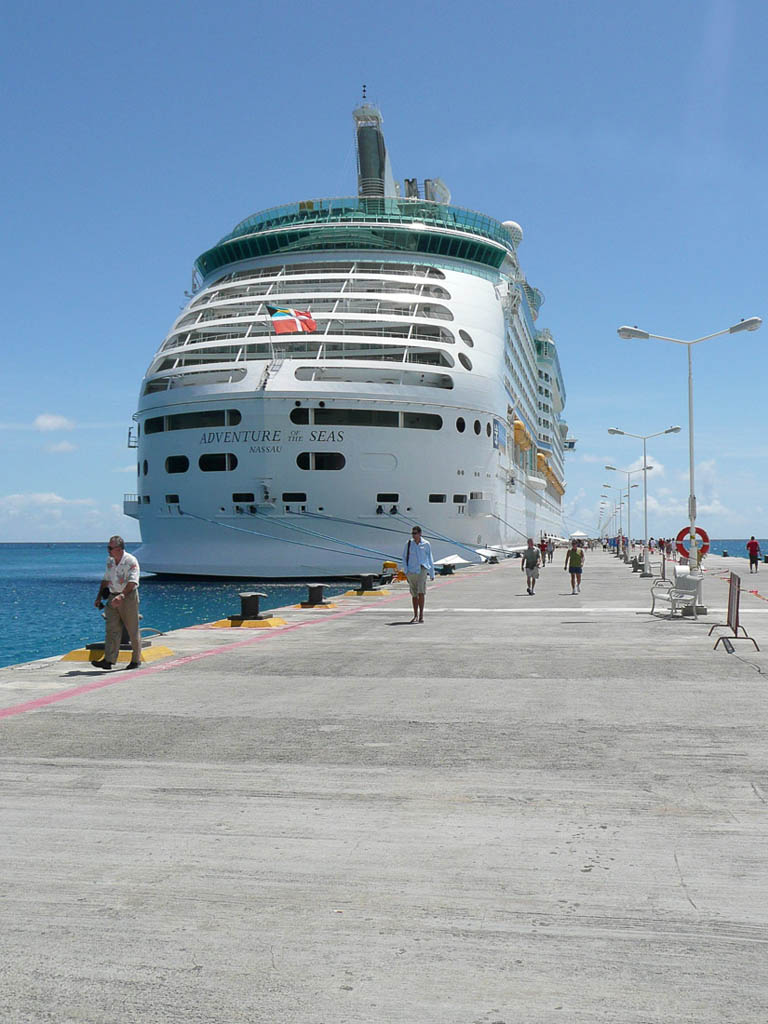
[17, 504]
[61, 446]
[52, 421]
[125, 469]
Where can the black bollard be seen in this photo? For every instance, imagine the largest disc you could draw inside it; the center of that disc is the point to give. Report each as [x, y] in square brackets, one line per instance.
[314, 595]
[249, 606]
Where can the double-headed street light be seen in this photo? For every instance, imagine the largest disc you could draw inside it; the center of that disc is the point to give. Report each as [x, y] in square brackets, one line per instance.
[630, 472]
[751, 324]
[645, 470]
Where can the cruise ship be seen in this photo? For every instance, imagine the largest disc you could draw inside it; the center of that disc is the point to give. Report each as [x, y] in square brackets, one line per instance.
[345, 368]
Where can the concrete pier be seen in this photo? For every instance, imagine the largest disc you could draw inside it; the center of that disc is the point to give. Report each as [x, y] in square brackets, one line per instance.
[527, 809]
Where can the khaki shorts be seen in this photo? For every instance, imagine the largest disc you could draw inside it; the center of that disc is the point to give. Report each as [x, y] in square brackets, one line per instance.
[417, 581]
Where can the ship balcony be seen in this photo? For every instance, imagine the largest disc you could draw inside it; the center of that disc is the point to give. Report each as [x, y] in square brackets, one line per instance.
[131, 505]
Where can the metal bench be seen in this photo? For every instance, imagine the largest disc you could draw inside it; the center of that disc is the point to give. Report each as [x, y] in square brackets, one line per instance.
[680, 594]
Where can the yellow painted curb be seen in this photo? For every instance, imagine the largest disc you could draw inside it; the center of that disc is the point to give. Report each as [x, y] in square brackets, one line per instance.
[124, 657]
[366, 593]
[318, 607]
[246, 624]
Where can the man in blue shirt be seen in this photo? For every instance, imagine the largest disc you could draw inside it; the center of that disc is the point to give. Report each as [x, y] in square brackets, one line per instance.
[417, 563]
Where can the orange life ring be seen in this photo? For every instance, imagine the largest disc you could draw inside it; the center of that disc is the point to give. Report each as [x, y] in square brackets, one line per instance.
[685, 532]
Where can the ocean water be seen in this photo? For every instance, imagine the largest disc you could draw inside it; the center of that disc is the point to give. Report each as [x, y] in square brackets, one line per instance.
[47, 593]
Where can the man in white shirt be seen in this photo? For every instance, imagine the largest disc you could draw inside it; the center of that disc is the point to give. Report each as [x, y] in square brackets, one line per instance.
[417, 563]
[121, 579]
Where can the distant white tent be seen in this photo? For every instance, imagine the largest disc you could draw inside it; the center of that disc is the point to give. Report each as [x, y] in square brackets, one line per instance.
[577, 535]
[452, 560]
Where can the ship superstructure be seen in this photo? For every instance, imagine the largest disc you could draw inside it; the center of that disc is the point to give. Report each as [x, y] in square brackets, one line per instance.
[425, 392]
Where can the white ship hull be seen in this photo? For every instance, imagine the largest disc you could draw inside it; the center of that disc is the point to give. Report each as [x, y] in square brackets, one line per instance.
[423, 394]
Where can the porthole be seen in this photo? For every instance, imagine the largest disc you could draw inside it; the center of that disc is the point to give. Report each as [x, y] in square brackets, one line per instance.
[478, 427]
[176, 464]
[172, 499]
[437, 499]
[465, 361]
[299, 415]
[243, 497]
[146, 467]
[294, 496]
[387, 497]
[461, 425]
[488, 429]
[460, 499]
[320, 460]
[467, 339]
[217, 462]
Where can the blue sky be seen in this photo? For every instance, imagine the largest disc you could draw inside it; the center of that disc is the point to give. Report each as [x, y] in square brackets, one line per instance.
[628, 140]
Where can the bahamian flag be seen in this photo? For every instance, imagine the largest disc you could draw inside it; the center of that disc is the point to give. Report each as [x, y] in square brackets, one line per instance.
[291, 321]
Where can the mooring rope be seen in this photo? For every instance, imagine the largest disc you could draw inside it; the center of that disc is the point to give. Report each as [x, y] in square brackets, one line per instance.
[269, 536]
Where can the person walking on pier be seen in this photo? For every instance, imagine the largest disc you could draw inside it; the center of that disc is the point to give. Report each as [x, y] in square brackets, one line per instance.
[574, 560]
[550, 549]
[753, 547]
[121, 579]
[417, 562]
[530, 565]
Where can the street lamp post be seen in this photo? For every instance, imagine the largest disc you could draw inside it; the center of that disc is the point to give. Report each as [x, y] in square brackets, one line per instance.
[751, 324]
[630, 473]
[645, 470]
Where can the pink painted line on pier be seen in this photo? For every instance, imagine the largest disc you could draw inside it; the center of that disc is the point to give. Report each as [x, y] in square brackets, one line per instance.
[124, 676]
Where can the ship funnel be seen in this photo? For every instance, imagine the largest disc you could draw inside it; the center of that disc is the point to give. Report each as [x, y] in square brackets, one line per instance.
[374, 173]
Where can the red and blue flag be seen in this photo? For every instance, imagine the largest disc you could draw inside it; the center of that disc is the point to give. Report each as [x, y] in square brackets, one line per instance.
[291, 321]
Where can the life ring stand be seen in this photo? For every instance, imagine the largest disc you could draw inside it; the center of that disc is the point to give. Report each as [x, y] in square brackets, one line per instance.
[685, 532]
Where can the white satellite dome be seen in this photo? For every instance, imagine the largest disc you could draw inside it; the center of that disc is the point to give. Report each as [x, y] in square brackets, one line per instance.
[514, 230]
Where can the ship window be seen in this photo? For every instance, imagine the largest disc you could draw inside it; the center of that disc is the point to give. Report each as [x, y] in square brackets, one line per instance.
[294, 496]
[475, 495]
[217, 462]
[488, 429]
[320, 460]
[245, 497]
[422, 420]
[176, 464]
[172, 499]
[204, 418]
[387, 497]
[460, 499]
[370, 375]
[356, 417]
[478, 428]
[146, 467]
[461, 426]
[145, 499]
[299, 415]
[467, 338]
[154, 425]
[437, 499]
[465, 362]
